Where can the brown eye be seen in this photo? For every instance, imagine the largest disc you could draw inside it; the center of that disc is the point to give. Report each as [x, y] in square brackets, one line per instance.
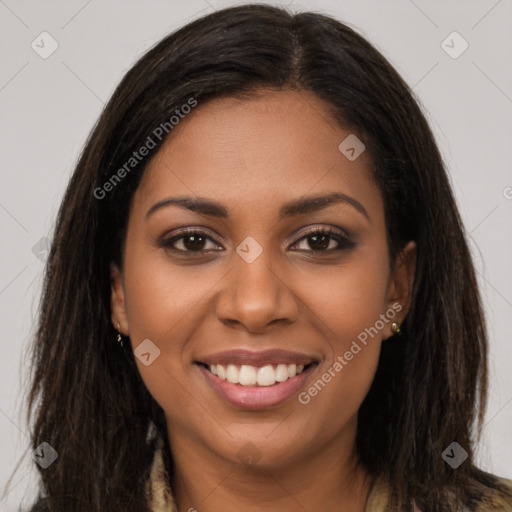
[189, 241]
[194, 242]
[319, 242]
[325, 240]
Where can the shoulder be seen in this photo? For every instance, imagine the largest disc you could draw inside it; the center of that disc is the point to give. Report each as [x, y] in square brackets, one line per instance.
[497, 504]
[379, 495]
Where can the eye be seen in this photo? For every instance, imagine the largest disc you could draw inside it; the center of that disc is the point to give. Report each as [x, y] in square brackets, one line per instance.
[321, 240]
[318, 239]
[189, 240]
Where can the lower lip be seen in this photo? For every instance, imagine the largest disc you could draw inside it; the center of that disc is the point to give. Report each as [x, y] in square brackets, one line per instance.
[260, 397]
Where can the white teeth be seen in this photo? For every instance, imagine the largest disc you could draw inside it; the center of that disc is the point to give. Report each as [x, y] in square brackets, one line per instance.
[232, 374]
[266, 376]
[221, 371]
[247, 375]
[281, 373]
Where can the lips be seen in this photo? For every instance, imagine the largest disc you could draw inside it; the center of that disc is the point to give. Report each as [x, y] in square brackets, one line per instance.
[254, 380]
[258, 359]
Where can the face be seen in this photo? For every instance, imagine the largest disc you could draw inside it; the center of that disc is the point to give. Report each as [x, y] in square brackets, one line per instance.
[256, 280]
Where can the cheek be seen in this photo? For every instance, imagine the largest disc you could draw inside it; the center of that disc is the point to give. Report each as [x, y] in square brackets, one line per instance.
[348, 304]
[347, 299]
[166, 304]
[160, 307]
[161, 298]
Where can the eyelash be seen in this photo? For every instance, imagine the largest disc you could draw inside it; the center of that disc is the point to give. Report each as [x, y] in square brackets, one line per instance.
[342, 240]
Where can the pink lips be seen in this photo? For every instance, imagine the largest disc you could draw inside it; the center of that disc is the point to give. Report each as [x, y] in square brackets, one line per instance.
[257, 397]
[274, 356]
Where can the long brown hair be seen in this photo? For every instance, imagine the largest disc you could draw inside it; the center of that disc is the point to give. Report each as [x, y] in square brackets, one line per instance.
[87, 399]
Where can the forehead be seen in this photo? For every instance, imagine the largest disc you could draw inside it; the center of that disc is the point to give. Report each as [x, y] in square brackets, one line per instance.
[272, 147]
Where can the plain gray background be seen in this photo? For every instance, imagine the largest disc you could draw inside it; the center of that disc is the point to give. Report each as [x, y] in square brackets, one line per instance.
[48, 106]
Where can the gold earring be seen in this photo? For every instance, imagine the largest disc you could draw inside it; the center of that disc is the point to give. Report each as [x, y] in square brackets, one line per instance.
[395, 328]
[119, 339]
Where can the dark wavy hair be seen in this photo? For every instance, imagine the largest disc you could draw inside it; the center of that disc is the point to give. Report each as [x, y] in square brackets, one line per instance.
[87, 399]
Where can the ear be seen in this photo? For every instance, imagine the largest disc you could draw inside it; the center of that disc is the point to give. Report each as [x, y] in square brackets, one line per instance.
[400, 286]
[117, 301]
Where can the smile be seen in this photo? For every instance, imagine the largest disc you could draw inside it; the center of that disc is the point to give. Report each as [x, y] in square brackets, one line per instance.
[257, 380]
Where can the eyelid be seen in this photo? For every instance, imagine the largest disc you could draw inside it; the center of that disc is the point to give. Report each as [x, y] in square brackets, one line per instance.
[339, 235]
[324, 229]
[167, 241]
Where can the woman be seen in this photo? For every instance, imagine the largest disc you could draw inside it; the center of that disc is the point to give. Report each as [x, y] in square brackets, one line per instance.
[259, 294]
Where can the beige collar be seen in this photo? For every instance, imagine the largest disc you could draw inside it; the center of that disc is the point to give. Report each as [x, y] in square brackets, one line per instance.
[158, 490]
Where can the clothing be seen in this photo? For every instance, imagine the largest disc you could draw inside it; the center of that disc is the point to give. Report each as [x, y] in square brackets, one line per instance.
[158, 492]
[160, 497]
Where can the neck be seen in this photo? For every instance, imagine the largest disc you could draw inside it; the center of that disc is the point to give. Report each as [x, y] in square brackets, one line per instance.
[324, 479]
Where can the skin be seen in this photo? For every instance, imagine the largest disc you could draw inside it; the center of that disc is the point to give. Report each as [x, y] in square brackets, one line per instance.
[253, 156]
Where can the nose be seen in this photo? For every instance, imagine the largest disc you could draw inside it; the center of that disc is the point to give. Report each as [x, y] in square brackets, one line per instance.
[255, 295]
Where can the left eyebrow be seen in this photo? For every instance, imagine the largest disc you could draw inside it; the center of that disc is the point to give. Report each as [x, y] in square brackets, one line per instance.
[314, 203]
[296, 207]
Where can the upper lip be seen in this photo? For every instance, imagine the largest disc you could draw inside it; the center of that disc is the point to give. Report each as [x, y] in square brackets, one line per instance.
[262, 358]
